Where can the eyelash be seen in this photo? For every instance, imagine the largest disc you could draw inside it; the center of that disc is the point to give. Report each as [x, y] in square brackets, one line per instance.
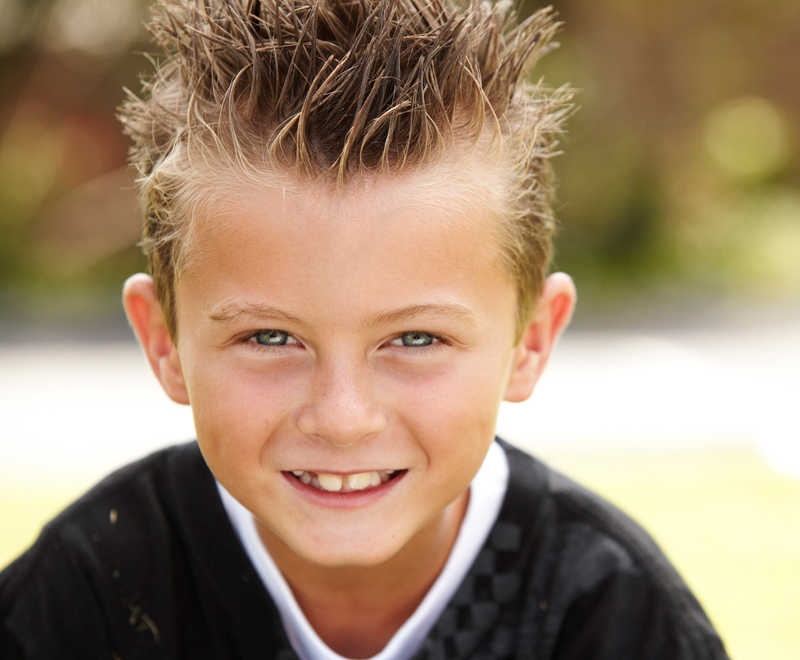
[438, 341]
[435, 345]
[263, 347]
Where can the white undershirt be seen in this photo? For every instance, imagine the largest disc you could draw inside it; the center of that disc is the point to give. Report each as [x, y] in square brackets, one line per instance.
[487, 490]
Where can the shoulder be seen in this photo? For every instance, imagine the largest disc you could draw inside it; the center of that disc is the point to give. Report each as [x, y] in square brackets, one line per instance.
[91, 559]
[596, 577]
[121, 505]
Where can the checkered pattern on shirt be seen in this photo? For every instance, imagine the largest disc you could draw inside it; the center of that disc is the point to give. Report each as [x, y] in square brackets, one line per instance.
[471, 625]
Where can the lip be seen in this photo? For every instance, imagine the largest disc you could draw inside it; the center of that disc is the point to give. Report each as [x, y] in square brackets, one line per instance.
[352, 500]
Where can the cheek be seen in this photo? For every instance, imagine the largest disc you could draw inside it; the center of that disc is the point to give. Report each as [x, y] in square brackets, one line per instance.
[237, 410]
[460, 401]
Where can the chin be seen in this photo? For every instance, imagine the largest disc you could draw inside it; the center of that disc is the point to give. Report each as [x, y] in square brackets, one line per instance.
[328, 554]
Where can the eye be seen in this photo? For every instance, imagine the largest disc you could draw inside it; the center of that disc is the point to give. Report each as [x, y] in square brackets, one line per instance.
[273, 338]
[414, 339]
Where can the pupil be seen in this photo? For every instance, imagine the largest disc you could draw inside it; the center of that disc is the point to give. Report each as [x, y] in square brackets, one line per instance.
[417, 339]
[272, 338]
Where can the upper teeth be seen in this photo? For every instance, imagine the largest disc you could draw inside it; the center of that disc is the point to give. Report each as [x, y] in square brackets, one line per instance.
[335, 483]
[332, 482]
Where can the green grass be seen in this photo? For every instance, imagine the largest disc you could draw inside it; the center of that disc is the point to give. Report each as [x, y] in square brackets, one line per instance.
[23, 511]
[729, 523]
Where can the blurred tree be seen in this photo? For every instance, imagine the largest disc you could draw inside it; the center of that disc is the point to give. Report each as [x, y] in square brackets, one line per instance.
[67, 203]
[681, 168]
[679, 101]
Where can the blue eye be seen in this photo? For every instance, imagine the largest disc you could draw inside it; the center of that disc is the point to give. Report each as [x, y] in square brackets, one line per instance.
[416, 339]
[272, 338]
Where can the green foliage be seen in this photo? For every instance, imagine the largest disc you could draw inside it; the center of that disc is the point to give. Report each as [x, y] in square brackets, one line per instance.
[681, 166]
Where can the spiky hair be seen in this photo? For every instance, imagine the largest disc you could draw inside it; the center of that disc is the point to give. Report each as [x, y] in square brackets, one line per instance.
[331, 89]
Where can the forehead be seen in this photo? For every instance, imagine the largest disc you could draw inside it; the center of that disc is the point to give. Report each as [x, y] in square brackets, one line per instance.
[446, 189]
[415, 238]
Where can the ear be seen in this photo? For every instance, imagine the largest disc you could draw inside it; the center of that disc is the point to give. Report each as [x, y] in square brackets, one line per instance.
[549, 319]
[145, 315]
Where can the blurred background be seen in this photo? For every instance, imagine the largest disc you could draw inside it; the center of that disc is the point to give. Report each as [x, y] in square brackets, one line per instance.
[675, 393]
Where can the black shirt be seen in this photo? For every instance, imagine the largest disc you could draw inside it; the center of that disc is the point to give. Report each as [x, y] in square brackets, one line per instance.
[147, 565]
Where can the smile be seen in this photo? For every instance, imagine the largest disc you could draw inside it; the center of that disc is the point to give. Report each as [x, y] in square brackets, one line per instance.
[345, 483]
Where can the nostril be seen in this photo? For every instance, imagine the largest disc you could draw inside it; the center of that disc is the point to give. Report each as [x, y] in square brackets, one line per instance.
[341, 426]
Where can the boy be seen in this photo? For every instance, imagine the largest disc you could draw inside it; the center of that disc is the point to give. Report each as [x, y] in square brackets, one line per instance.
[348, 219]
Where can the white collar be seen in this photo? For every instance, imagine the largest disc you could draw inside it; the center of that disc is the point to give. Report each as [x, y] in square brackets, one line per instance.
[487, 491]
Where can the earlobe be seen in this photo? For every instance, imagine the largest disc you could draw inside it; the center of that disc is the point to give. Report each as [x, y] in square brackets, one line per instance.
[551, 316]
[147, 319]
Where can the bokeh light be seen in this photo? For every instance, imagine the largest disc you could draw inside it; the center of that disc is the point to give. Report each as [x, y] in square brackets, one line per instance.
[96, 27]
[748, 138]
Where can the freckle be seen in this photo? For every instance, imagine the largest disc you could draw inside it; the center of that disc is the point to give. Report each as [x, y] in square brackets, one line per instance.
[116, 574]
[112, 516]
[543, 604]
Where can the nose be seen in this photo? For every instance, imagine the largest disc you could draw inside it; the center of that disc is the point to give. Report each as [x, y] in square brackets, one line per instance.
[342, 408]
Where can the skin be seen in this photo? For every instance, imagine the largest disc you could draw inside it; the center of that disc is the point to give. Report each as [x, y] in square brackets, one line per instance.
[346, 277]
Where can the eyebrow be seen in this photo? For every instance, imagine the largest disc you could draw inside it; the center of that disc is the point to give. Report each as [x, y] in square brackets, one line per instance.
[411, 312]
[232, 311]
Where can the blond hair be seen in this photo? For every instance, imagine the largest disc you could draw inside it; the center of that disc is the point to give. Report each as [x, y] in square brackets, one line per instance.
[329, 89]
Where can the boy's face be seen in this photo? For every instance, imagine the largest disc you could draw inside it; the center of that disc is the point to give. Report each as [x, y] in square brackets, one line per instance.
[341, 335]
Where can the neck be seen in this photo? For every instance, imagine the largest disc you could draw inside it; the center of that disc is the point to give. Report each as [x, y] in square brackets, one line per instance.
[357, 609]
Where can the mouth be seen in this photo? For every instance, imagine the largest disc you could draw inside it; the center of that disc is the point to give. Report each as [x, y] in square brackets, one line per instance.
[345, 483]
